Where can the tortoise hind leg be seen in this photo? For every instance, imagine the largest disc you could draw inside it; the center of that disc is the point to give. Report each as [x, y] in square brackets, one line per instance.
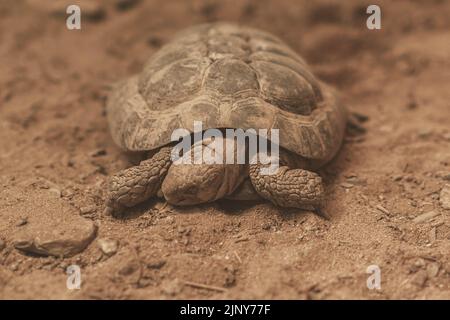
[137, 184]
[295, 188]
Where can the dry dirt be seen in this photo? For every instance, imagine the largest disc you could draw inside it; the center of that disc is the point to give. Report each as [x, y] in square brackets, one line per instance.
[56, 152]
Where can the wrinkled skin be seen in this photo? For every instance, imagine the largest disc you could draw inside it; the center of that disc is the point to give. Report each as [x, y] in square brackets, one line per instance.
[190, 184]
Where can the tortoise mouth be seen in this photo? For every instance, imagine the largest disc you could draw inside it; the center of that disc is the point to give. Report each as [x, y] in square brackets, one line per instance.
[182, 200]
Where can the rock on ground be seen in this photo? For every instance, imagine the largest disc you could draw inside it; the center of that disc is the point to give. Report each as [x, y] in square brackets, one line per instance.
[108, 246]
[54, 229]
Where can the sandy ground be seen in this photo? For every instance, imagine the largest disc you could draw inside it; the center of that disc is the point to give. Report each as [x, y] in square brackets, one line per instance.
[383, 189]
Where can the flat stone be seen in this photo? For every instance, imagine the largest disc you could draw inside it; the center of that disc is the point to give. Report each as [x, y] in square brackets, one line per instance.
[426, 216]
[53, 229]
[444, 197]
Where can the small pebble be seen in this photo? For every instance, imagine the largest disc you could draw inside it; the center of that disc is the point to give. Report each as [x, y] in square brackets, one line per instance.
[420, 278]
[432, 269]
[347, 185]
[108, 246]
[420, 263]
[382, 209]
[97, 153]
[129, 268]
[357, 181]
[157, 264]
[2, 244]
[14, 267]
[55, 191]
[22, 222]
[432, 235]
[88, 209]
[444, 197]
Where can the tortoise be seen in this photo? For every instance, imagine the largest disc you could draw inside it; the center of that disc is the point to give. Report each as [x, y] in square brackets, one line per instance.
[227, 76]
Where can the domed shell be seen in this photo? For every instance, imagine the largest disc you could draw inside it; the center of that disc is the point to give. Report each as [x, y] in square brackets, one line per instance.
[227, 76]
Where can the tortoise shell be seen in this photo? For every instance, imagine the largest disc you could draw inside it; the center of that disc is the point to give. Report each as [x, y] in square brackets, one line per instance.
[227, 76]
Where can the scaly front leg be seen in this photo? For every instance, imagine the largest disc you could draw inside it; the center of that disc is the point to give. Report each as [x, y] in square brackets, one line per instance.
[137, 184]
[295, 188]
